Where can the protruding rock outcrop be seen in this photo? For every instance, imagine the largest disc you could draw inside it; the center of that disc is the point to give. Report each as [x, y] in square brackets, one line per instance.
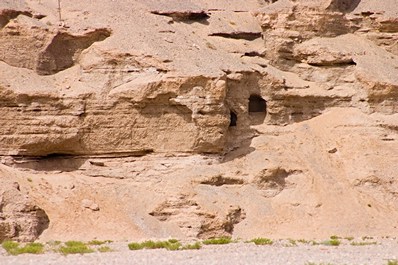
[20, 218]
[28, 43]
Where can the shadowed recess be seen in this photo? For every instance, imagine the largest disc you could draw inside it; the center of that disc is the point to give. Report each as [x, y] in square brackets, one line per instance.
[64, 49]
[344, 6]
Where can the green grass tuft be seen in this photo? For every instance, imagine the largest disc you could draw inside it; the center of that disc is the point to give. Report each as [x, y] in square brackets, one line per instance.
[135, 246]
[171, 244]
[218, 241]
[98, 242]
[195, 245]
[10, 245]
[392, 262]
[74, 247]
[105, 249]
[331, 242]
[13, 248]
[261, 241]
[32, 248]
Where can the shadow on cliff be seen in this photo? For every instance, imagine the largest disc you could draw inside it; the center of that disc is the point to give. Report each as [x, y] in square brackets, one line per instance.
[242, 150]
[344, 6]
[52, 162]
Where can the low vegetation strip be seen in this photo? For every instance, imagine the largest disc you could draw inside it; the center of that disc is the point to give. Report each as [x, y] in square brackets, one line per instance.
[261, 241]
[13, 248]
[171, 244]
[78, 247]
[218, 241]
[74, 247]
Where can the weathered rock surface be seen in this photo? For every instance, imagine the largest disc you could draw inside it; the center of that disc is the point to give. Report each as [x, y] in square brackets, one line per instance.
[199, 118]
[20, 218]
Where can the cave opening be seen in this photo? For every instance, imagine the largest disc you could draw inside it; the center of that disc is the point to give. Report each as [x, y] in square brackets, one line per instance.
[233, 119]
[257, 104]
[257, 109]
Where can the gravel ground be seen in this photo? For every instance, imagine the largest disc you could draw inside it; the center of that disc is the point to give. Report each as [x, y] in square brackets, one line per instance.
[237, 253]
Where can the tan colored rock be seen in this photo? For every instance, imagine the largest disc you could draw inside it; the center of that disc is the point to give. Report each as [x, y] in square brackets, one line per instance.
[20, 218]
[198, 119]
[86, 203]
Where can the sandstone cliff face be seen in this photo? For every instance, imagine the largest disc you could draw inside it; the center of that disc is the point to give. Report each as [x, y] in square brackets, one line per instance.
[201, 118]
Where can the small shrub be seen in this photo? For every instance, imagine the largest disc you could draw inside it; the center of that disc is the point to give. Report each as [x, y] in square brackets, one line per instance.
[335, 237]
[10, 246]
[13, 248]
[172, 241]
[135, 246]
[98, 242]
[75, 247]
[261, 241]
[32, 248]
[349, 238]
[153, 244]
[105, 249]
[367, 237]
[196, 245]
[218, 241]
[392, 262]
[171, 244]
[331, 242]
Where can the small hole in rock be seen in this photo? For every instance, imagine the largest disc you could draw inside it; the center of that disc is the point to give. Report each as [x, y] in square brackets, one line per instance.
[233, 119]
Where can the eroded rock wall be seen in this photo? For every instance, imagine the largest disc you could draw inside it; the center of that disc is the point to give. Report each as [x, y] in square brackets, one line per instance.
[270, 117]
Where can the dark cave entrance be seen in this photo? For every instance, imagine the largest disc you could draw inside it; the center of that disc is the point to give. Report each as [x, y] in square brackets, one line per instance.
[233, 119]
[257, 109]
[257, 104]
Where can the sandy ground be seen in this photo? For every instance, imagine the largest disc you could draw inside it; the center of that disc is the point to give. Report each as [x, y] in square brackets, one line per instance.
[236, 253]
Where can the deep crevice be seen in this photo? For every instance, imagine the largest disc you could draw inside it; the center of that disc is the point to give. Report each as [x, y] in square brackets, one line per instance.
[253, 54]
[184, 15]
[336, 64]
[238, 35]
[233, 119]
